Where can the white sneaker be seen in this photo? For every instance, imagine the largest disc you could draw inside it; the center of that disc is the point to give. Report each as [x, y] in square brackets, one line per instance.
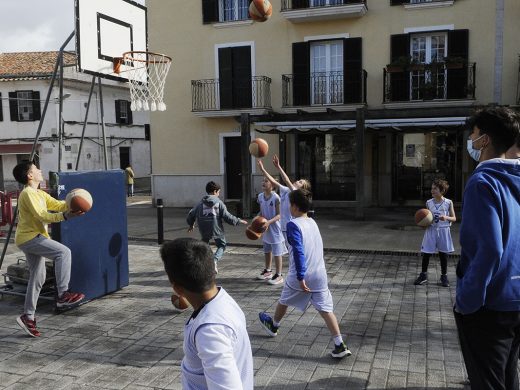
[264, 275]
[276, 279]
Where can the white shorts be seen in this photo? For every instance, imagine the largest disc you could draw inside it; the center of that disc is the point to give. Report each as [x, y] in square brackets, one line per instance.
[322, 300]
[276, 249]
[437, 240]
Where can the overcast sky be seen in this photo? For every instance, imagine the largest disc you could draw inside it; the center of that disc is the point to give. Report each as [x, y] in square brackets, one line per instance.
[36, 25]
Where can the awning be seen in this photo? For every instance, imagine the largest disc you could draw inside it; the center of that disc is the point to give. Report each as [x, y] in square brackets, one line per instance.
[346, 125]
[17, 148]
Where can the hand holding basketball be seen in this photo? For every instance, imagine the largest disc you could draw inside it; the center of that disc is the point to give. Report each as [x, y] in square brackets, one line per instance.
[423, 218]
[79, 200]
[259, 224]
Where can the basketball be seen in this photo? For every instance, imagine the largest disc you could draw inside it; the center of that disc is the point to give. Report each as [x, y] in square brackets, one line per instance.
[179, 302]
[251, 234]
[423, 218]
[79, 200]
[258, 225]
[258, 147]
[260, 10]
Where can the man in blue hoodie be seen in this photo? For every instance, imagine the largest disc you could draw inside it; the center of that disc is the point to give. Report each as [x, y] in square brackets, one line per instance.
[209, 214]
[487, 308]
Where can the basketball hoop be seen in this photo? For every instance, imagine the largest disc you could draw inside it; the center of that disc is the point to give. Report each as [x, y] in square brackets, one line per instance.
[146, 73]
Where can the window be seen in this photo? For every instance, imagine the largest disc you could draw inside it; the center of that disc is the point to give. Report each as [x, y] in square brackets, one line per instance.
[322, 3]
[69, 166]
[327, 72]
[24, 106]
[428, 82]
[123, 112]
[233, 10]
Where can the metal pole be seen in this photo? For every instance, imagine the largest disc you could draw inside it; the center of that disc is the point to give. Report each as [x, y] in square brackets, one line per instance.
[102, 111]
[60, 116]
[36, 139]
[360, 162]
[85, 121]
[245, 140]
[160, 222]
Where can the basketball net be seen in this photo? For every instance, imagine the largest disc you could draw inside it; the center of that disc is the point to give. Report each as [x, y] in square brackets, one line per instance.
[146, 73]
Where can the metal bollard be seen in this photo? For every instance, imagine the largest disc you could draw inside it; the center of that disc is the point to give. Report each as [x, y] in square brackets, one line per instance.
[160, 221]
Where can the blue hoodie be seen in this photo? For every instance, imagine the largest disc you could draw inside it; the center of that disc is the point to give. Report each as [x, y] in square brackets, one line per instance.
[489, 268]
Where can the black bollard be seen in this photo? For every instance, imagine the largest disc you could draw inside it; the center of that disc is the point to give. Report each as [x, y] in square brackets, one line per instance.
[160, 222]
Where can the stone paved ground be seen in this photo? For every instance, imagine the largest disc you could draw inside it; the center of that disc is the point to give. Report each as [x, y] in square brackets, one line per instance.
[401, 336]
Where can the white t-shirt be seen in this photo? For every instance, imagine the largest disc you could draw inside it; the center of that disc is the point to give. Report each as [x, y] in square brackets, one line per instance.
[273, 235]
[217, 350]
[285, 207]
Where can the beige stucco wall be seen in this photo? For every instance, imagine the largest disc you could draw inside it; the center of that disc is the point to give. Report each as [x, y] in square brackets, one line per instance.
[185, 144]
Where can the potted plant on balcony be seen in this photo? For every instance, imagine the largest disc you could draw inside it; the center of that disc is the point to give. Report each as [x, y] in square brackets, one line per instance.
[399, 65]
[454, 62]
[429, 91]
[416, 65]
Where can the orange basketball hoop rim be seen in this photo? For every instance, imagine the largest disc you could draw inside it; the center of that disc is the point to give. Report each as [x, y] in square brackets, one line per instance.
[142, 57]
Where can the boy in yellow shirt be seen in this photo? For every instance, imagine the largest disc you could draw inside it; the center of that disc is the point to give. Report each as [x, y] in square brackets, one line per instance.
[33, 239]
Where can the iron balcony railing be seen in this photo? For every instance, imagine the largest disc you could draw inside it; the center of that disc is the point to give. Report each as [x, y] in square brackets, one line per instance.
[215, 95]
[439, 81]
[289, 5]
[422, 1]
[324, 88]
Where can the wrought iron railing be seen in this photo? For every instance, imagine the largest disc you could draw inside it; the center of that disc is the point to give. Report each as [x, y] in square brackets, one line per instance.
[440, 81]
[324, 88]
[214, 95]
[289, 5]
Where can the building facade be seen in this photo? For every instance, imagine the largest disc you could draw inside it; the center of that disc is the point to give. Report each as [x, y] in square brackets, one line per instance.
[24, 84]
[366, 99]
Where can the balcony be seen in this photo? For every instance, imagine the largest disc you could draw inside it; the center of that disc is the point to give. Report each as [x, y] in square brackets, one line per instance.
[430, 84]
[213, 98]
[299, 11]
[420, 4]
[320, 91]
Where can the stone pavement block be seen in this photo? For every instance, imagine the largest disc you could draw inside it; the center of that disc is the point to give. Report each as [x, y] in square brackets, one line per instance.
[44, 381]
[7, 379]
[377, 378]
[25, 363]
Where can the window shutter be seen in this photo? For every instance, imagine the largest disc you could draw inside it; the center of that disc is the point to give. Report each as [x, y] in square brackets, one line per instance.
[399, 2]
[118, 111]
[225, 74]
[457, 79]
[352, 70]
[242, 77]
[301, 73]
[129, 113]
[1, 109]
[209, 11]
[399, 82]
[36, 105]
[296, 4]
[13, 106]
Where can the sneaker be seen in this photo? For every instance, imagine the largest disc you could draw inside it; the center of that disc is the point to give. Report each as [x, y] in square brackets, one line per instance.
[340, 351]
[422, 279]
[266, 274]
[444, 281]
[69, 299]
[276, 279]
[267, 324]
[28, 325]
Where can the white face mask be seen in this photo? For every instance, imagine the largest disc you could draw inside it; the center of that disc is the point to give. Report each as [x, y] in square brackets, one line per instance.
[474, 153]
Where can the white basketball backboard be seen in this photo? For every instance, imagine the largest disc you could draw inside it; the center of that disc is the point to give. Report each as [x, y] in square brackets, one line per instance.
[105, 29]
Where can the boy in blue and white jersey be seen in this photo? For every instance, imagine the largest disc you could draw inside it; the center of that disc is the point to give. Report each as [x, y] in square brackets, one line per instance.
[217, 350]
[274, 242]
[307, 276]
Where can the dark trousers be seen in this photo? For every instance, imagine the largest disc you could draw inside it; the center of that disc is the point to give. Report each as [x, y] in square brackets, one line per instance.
[444, 262]
[490, 342]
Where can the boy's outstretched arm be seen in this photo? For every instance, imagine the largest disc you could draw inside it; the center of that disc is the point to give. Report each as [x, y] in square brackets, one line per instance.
[266, 174]
[190, 219]
[276, 163]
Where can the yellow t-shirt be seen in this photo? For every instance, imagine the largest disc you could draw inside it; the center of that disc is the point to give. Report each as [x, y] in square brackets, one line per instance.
[33, 216]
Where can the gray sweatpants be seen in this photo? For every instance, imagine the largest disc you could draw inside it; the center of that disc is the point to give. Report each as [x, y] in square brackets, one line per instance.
[36, 250]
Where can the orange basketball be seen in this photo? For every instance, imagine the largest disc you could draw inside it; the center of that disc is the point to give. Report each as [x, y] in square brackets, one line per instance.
[260, 10]
[258, 224]
[79, 200]
[258, 147]
[179, 302]
[423, 218]
[251, 234]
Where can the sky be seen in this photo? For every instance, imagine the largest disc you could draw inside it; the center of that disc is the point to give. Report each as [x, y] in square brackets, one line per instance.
[36, 25]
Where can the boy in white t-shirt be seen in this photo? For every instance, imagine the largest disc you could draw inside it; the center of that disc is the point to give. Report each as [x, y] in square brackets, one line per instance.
[274, 242]
[217, 350]
[285, 207]
[307, 276]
